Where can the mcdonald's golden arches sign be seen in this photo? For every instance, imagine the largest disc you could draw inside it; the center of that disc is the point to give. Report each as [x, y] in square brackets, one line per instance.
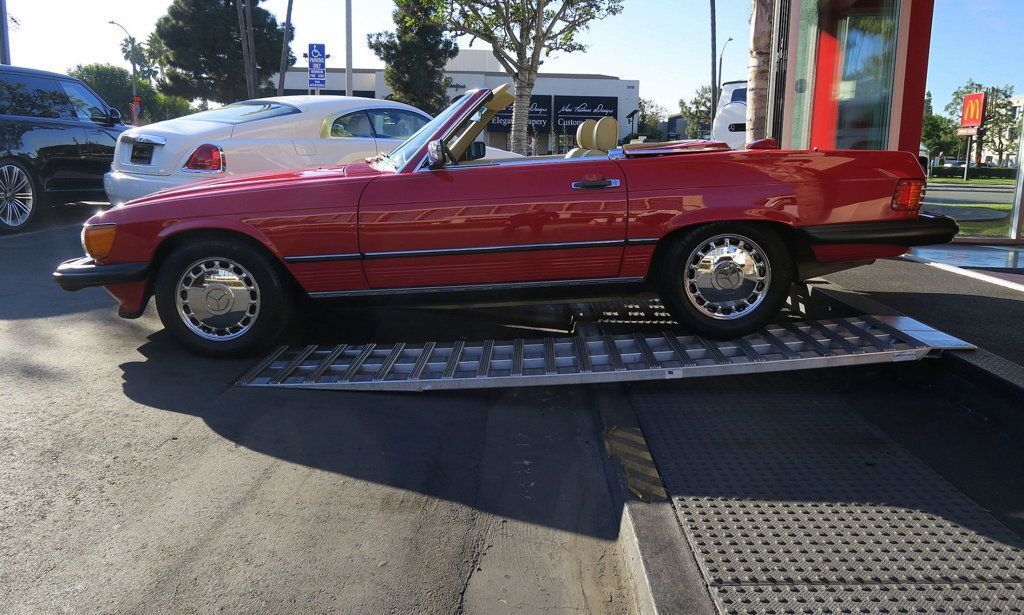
[974, 110]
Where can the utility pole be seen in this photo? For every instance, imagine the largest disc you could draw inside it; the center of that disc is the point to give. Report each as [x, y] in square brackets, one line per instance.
[348, 47]
[252, 48]
[131, 57]
[246, 58]
[714, 52]
[284, 49]
[5, 40]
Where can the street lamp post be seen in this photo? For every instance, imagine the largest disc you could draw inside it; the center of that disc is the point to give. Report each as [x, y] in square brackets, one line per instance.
[348, 47]
[720, 56]
[131, 58]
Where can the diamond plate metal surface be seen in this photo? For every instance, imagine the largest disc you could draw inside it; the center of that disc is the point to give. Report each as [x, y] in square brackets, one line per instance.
[789, 498]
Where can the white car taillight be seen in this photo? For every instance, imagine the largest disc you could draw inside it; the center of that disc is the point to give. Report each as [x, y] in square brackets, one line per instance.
[206, 159]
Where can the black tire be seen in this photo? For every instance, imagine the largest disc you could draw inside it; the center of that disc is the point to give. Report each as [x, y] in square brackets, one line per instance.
[17, 179]
[253, 271]
[735, 314]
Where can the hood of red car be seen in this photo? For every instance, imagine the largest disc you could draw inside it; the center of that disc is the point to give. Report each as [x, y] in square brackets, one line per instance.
[259, 181]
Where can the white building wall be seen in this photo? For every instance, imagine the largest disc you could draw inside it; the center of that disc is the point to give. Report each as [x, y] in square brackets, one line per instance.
[477, 68]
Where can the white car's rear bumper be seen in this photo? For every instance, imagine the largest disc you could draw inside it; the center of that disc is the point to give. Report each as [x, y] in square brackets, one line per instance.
[122, 187]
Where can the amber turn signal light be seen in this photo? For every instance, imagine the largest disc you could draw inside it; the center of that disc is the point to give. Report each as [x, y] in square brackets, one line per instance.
[908, 195]
[98, 239]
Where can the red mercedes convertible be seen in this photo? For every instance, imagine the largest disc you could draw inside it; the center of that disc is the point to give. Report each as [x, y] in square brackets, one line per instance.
[719, 234]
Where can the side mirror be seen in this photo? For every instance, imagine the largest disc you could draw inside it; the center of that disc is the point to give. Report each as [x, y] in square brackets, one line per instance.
[111, 117]
[476, 151]
[436, 154]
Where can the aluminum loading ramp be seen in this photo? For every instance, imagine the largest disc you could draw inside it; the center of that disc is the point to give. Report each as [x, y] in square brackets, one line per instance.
[594, 354]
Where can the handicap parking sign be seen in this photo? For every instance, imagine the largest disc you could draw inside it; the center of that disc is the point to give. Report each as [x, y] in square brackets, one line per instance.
[317, 70]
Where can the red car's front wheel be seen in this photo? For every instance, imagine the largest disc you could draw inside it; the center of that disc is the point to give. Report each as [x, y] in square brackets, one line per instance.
[222, 298]
[724, 280]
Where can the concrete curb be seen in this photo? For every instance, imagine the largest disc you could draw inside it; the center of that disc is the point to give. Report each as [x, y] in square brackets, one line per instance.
[663, 570]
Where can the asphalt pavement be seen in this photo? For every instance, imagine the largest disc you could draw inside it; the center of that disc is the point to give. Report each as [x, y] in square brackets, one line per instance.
[979, 312]
[958, 194]
[136, 478]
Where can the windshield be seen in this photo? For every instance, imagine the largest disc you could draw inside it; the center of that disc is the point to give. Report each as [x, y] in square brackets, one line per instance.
[401, 154]
[249, 111]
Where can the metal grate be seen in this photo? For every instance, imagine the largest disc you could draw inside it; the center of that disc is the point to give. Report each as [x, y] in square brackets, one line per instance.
[793, 503]
[594, 357]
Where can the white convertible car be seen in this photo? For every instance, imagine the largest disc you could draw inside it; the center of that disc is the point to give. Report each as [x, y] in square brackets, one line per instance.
[285, 132]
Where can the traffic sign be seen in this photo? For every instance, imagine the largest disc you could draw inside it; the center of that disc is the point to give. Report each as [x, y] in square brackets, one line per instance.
[974, 110]
[317, 69]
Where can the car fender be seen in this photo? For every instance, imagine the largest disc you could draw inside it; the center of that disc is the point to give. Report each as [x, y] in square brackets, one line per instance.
[213, 225]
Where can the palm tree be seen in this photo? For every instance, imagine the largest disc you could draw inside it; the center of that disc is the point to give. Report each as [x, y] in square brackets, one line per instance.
[158, 53]
[136, 53]
[760, 69]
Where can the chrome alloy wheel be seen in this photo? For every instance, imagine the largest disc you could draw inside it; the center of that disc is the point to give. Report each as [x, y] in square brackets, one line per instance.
[218, 299]
[727, 277]
[16, 197]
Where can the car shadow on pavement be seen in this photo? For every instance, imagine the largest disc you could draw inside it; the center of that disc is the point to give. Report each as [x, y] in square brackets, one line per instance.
[528, 454]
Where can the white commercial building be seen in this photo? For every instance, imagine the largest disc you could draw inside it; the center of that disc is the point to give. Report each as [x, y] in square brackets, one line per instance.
[560, 101]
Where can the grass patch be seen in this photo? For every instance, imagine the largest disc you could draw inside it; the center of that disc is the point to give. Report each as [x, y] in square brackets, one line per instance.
[989, 228]
[974, 182]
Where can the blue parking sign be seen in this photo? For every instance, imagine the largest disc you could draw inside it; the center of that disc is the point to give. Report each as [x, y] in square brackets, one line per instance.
[317, 69]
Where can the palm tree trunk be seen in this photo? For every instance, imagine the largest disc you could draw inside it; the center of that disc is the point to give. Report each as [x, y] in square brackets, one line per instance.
[760, 69]
[284, 49]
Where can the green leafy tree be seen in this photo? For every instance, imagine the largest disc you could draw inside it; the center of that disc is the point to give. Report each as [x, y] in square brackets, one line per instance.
[1000, 129]
[649, 119]
[523, 32]
[415, 55]
[204, 51]
[114, 85]
[938, 133]
[697, 113]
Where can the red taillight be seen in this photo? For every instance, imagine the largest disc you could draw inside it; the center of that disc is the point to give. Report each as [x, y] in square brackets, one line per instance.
[909, 194]
[206, 157]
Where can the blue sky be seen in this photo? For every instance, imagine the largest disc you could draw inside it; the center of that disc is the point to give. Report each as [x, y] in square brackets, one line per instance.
[979, 39]
[663, 43]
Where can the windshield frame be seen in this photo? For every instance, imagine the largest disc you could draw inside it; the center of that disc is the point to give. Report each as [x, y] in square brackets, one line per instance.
[437, 128]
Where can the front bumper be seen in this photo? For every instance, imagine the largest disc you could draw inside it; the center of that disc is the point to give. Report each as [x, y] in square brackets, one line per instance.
[927, 229]
[83, 272]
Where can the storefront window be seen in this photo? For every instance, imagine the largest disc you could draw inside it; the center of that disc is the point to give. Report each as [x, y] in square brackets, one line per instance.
[844, 74]
[975, 179]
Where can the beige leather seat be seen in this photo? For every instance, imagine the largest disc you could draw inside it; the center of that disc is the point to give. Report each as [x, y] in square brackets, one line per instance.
[584, 139]
[596, 138]
[606, 135]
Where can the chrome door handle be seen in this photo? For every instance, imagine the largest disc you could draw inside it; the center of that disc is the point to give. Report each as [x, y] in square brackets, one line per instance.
[595, 184]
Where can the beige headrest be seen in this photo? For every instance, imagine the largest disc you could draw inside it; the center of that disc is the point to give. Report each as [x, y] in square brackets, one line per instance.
[606, 134]
[585, 134]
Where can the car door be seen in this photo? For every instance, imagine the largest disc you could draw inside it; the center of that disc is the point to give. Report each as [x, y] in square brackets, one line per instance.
[347, 137]
[393, 126]
[100, 134]
[510, 223]
[40, 127]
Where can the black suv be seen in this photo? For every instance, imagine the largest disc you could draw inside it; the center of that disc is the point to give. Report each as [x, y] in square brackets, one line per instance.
[57, 140]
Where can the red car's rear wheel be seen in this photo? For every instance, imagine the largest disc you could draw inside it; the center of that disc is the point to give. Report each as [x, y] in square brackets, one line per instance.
[724, 280]
[222, 298]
